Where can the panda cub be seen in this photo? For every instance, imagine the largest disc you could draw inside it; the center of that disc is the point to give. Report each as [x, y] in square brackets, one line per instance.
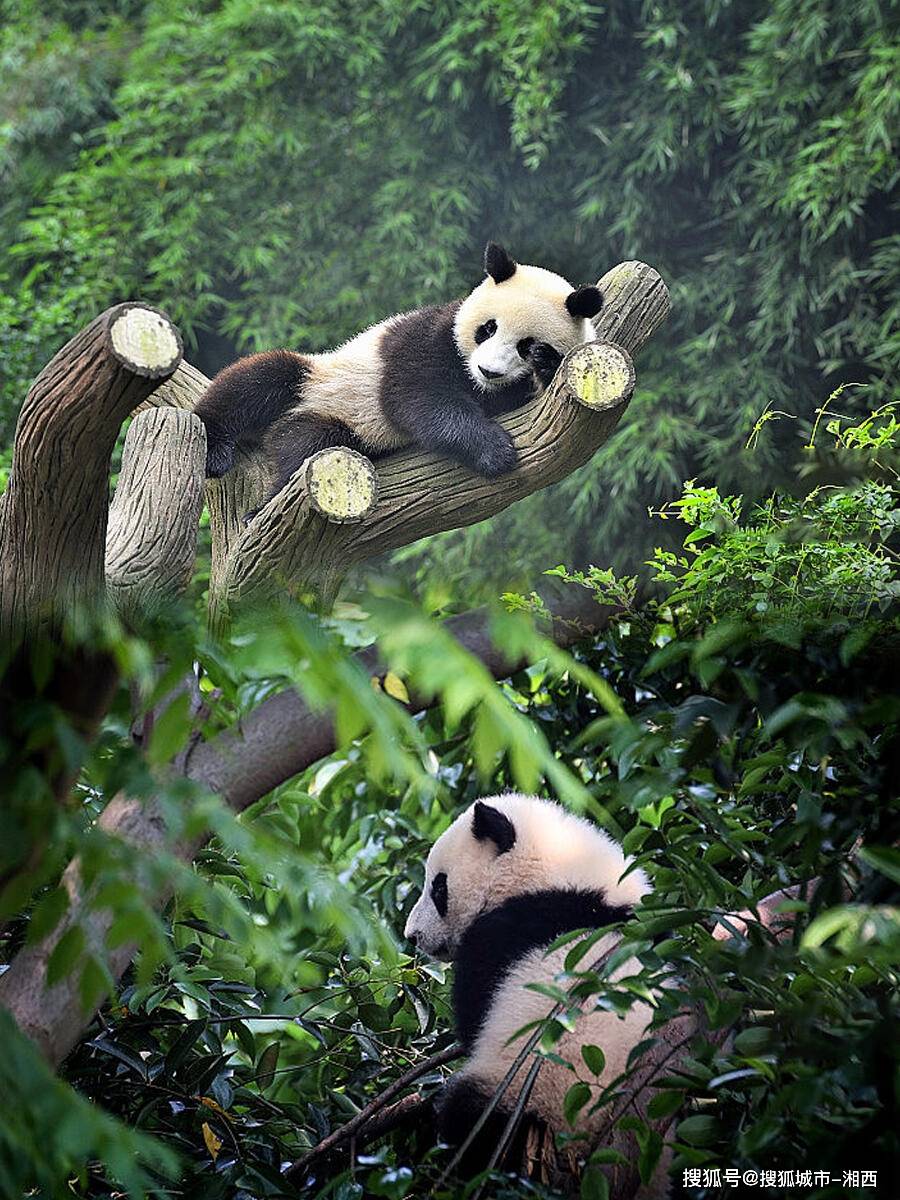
[434, 378]
[509, 876]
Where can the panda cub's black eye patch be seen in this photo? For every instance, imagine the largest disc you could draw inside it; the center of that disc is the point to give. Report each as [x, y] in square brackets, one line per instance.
[524, 346]
[439, 893]
[483, 332]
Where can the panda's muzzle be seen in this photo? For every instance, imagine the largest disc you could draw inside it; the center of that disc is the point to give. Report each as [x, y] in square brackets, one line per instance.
[488, 374]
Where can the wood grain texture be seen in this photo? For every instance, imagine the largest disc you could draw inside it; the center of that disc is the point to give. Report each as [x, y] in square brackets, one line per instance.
[151, 542]
[54, 512]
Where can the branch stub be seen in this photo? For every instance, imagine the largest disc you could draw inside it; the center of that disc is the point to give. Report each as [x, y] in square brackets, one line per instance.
[144, 340]
[341, 484]
[600, 375]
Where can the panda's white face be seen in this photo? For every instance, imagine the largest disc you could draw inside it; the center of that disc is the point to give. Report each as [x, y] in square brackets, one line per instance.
[508, 846]
[515, 307]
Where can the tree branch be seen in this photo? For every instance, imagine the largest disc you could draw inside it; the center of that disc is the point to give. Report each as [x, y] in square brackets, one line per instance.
[54, 512]
[362, 1124]
[151, 543]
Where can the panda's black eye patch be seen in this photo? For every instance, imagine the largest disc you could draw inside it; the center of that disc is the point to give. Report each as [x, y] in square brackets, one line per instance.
[524, 346]
[483, 332]
[439, 893]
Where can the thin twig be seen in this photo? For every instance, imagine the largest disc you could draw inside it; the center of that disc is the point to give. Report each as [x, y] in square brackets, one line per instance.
[512, 1124]
[353, 1126]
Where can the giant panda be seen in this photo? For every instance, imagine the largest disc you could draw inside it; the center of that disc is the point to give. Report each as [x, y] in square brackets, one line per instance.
[433, 378]
[505, 880]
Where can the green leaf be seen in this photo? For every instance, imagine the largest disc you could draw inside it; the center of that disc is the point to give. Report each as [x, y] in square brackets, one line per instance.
[576, 1098]
[754, 1041]
[47, 914]
[65, 955]
[268, 1061]
[698, 1131]
[95, 983]
[594, 1058]
[594, 1184]
[170, 731]
[665, 1103]
[885, 859]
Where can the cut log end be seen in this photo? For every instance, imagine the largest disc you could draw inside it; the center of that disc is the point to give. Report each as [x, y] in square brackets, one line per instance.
[144, 340]
[600, 375]
[341, 484]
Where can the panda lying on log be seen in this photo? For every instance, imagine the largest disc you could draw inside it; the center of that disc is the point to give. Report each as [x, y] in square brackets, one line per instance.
[510, 876]
[434, 378]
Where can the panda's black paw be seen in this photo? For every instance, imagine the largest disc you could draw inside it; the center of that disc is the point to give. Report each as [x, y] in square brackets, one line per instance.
[544, 362]
[496, 455]
[219, 458]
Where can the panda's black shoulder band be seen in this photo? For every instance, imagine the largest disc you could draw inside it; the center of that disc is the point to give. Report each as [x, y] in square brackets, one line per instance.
[498, 939]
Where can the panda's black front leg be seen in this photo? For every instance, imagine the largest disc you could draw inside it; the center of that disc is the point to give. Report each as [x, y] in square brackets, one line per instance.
[457, 426]
[545, 362]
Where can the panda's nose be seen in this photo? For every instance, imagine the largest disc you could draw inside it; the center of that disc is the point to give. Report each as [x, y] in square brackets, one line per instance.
[490, 374]
[412, 937]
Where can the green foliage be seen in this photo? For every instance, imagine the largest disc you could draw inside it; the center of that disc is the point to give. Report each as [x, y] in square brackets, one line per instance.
[36, 1103]
[737, 749]
[213, 166]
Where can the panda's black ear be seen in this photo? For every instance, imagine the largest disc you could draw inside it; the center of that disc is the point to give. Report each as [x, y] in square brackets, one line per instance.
[497, 263]
[493, 824]
[584, 302]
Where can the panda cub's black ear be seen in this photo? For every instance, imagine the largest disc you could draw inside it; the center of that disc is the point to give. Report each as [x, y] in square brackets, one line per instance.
[584, 302]
[491, 823]
[497, 263]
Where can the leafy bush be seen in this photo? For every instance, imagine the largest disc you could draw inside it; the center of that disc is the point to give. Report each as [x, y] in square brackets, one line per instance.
[737, 747]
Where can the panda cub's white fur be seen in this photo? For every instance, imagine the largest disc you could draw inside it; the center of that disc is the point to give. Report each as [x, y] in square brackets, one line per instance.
[509, 876]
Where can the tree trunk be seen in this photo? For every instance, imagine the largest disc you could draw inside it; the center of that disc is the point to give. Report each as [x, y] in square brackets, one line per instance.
[54, 511]
[151, 543]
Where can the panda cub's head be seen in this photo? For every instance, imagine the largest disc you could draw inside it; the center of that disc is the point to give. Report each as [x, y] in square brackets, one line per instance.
[508, 846]
[515, 307]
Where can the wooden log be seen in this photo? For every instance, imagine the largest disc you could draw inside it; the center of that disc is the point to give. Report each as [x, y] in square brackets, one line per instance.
[151, 543]
[54, 513]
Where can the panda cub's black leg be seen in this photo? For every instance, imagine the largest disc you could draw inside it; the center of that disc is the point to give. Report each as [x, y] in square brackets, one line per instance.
[292, 440]
[244, 400]
[459, 1106]
[545, 361]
